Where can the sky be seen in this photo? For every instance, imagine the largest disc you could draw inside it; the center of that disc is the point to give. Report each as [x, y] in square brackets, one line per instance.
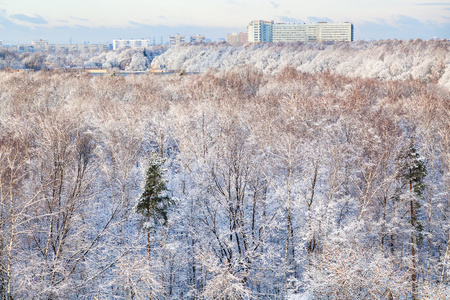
[101, 21]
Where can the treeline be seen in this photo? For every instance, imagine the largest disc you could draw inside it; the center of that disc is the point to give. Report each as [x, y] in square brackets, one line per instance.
[318, 186]
[388, 59]
[123, 59]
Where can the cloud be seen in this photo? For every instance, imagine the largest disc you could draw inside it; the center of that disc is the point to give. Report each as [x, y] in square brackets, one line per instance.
[290, 20]
[233, 2]
[15, 32]
[33, 20]
[429, 4]
[316, 19]
[80, 19]
[274, 4]
[408, 21]
[18, 33]
[404, 27]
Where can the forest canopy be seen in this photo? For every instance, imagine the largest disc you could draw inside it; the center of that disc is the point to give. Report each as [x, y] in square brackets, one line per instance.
[287, 184]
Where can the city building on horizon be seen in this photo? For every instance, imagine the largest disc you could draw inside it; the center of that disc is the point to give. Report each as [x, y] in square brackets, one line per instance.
[260, 31]
[39, 43]
[43, 45]
[131, 43]
[270, 31]
[176, 39]
[237, 38]
[198, 38]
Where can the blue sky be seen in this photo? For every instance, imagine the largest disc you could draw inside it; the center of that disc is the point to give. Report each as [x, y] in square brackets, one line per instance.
[101, 21]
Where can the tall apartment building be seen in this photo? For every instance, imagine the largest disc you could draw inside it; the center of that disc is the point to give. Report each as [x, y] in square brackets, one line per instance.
[260, 31]
[265, 31]
[176, 39]
[131, 43]
[237, 38]
[198, 38]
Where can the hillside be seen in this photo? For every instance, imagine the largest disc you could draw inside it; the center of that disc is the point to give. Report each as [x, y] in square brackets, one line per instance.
[389, 59]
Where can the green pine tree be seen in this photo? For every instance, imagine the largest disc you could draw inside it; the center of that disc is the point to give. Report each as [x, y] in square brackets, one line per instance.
[154, 203]
[412, 171]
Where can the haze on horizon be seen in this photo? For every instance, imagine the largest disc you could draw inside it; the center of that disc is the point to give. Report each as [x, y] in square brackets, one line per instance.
[101, 21]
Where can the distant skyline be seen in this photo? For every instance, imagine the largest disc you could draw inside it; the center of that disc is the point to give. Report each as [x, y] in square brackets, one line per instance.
[101, 21]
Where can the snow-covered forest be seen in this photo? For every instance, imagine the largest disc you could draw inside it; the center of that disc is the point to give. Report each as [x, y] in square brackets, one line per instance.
[320, 183]
[389, 59]
[123, 59]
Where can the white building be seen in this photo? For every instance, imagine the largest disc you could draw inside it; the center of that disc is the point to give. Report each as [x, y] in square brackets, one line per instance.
[269, 31]
[131, 43]
[288, 32]
[260, 31]
[38, 44]
[198, 38]
[176, 39]
[335, 31]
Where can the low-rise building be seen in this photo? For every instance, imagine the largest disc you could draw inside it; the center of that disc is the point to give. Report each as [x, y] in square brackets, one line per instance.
[198, 38]
[335, 31]
[131, 43]
[36, 47]
[25, 48]
[39, 44]
[237, 38]
[176, 39]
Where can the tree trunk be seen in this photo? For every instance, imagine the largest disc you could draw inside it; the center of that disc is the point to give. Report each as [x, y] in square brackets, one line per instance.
[413, 250]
